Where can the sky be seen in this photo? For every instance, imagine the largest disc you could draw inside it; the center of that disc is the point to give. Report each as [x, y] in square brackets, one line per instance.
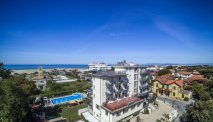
[83, 31]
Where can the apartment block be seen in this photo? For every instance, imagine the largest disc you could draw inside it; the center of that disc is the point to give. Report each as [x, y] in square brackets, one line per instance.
[116, 95]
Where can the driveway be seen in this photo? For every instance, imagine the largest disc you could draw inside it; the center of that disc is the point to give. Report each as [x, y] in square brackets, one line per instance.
[156, 114]
[177, 104]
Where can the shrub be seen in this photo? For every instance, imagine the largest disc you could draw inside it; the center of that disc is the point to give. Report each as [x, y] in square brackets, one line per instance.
[155, 103]
[138, 119]
[186, 99]
[136, 113]
[146, 111]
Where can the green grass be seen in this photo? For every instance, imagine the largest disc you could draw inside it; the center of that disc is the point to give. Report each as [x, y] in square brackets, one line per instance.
[71, 114]
[70, 77]
[66, 88]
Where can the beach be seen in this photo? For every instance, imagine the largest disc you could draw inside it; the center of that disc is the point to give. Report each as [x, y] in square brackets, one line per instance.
[29, 71]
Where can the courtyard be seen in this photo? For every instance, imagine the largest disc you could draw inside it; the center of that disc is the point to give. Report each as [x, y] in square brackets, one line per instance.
[156, 114]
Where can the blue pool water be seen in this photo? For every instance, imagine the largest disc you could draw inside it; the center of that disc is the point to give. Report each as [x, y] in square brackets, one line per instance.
[65, 99]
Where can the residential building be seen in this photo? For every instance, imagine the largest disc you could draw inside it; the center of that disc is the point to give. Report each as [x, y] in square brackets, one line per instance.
[153, 75]
[166, 85]
[41, 84]
[154, 68]
[196, 78]
[99, 67]
[184, 75]
[40, 73]
[138, 77]
[116, 95]
[40, 81]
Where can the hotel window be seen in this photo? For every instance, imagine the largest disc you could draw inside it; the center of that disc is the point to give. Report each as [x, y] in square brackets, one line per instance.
[174, 88]
[135, 77]
[135, 84]
[118, 113]
[132, 107]
[138, 104]
[156, 85]
[125, 110]
[173, 93]
[135, 90]
[97, 106]
[106, 113]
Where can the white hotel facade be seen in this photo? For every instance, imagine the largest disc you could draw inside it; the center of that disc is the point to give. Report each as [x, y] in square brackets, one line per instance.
[118, 94]
[98, 67]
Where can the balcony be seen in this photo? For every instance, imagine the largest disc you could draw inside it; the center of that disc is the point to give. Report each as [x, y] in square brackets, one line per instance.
[108, 82]
[90, 104]
[108, 92]
[146, 85]
[125, 80]
[123, 87]
[115, 88]
[143, 71]
[89, 96]
[110, 73]
[143, 93]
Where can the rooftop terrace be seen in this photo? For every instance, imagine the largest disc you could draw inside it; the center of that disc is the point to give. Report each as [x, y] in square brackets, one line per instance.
[121, 104]
[110, 73]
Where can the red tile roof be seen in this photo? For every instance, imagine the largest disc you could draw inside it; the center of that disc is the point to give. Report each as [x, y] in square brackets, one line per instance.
[121, 103]
[169, 79]
[164, 78]
[196, 78]
[153, 73]
[178, 82]
[185, 73]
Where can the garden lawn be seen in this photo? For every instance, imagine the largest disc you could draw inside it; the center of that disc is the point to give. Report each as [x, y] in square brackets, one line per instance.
[71, 114]
[61, 89]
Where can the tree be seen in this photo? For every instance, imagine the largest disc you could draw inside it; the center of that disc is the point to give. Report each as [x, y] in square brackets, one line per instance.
[169, 67]
[163, 72]
[165, 118]
[207, 72]
[209, 87]
[186, 99]
[54, 86]
[138, 119]
[202, 109]
[15, 99]
[4, 73]
[199, 92]
[153, 97]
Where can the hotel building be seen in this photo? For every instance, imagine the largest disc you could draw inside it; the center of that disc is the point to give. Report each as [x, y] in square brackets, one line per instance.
[98, 67]
[116, 95]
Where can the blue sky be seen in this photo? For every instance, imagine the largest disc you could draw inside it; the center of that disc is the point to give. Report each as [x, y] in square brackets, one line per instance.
[82, 31]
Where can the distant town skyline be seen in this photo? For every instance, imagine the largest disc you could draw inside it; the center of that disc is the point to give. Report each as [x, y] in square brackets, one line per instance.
[82, 31]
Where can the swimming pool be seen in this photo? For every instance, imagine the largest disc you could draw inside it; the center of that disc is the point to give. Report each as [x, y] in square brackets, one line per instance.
[65, 99]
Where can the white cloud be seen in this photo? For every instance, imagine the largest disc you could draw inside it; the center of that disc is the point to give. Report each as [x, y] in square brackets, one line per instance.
[178, 32]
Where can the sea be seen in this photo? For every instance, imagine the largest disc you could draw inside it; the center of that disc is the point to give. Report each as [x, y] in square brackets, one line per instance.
[44, 66]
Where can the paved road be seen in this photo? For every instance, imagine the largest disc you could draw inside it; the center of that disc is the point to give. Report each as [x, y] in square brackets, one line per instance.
[177, 104]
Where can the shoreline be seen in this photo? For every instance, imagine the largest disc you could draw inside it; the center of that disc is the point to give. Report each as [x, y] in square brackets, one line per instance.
[28, 71]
